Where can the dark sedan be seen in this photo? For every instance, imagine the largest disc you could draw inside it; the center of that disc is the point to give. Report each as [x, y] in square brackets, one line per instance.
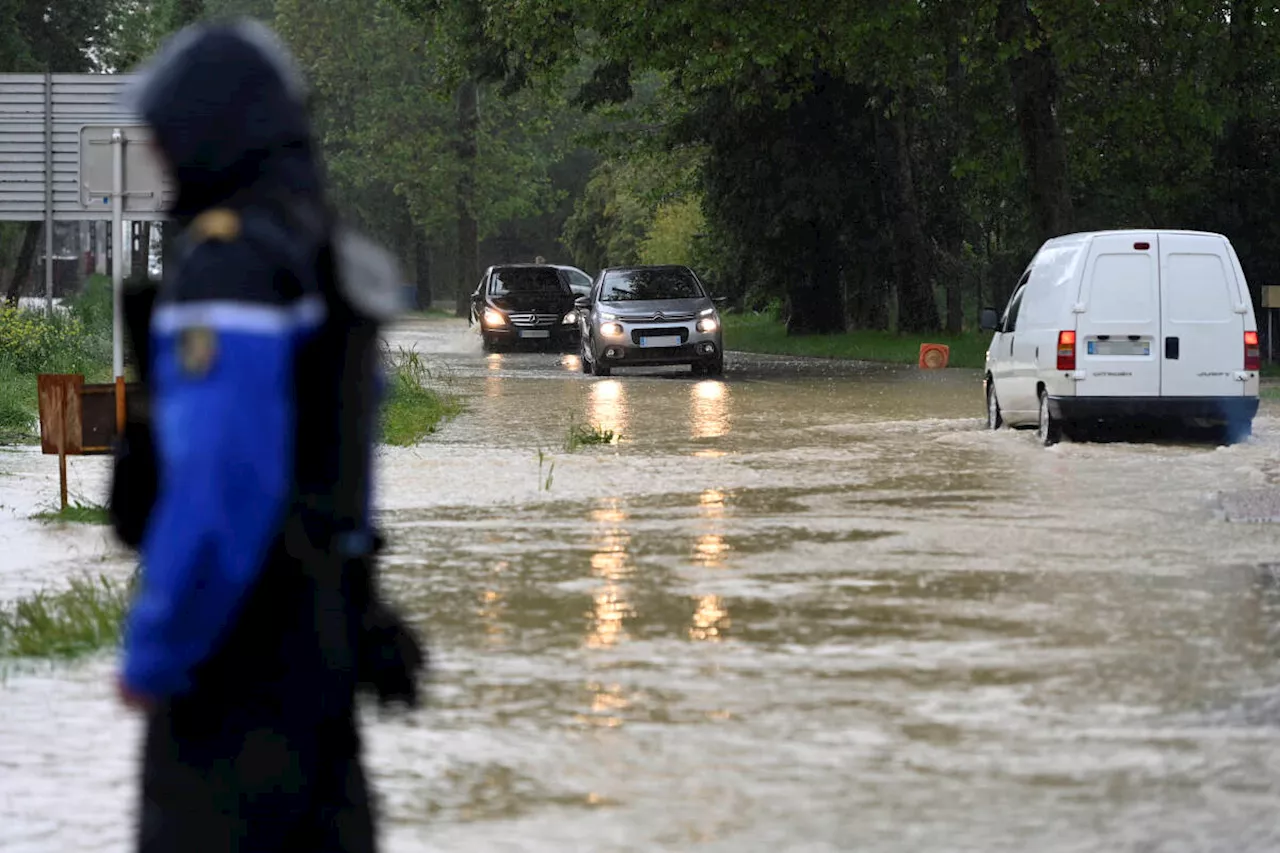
[525, 303]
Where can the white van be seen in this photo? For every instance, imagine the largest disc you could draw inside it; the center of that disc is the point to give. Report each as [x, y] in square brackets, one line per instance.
[1126, 325]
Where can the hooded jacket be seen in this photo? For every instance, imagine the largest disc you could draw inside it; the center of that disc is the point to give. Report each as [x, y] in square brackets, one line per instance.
[218, 605]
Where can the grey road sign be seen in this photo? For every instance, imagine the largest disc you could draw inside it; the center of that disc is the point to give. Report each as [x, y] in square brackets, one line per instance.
[41, 120]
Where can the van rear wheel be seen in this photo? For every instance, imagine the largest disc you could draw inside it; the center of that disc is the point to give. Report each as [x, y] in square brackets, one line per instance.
[994, 419]
[1050, 431]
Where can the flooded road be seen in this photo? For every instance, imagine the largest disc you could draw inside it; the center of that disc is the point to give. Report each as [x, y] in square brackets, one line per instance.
[813, 607]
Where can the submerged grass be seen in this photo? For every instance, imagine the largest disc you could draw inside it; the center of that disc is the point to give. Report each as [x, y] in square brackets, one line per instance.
[83, 617]
[412, 410]
[587, 435]
[77, 513]
[765, 333]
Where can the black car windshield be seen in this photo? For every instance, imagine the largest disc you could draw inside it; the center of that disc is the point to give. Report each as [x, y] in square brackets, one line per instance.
[577, 277]
[527, 280]
[637, 285]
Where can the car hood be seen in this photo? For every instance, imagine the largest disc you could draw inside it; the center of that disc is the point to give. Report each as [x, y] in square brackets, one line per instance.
[533, 302]
[649, 307]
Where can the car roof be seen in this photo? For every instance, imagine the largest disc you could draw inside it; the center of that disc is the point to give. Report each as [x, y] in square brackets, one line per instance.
[638, 267]
[1082, 236]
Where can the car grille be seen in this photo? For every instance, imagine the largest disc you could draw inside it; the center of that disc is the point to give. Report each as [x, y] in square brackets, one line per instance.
[678, 331]
[659, 317]
[533, 320]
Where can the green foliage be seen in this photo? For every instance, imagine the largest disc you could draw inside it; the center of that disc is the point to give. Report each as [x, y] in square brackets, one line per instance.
[412, 410]
[77, 340]
[83, 617]
[673, 234]
[764, 333]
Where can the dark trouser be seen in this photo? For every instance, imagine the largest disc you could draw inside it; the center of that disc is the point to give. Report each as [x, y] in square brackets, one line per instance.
[234, 786]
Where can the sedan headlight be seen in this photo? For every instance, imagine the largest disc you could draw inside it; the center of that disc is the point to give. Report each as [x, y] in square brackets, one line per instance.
[571, 317]
[494, 318]
[708, 324]
[611, 330]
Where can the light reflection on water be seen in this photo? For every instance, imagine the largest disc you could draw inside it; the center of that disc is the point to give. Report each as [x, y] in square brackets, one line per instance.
[611, 563]
[710, 408]
[607, 406]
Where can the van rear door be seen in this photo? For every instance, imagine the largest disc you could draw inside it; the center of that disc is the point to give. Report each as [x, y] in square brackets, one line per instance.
[1118, 318]
[1203, 345]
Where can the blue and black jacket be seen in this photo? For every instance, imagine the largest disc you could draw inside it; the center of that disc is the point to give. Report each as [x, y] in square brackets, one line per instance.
[243, 359]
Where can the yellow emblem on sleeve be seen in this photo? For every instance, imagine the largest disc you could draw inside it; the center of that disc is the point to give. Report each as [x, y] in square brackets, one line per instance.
[219, 224]
[197, 349]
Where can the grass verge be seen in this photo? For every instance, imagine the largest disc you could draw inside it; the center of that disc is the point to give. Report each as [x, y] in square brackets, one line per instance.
[84, 617]
[413, 410]
[77, 513]
[763, 333]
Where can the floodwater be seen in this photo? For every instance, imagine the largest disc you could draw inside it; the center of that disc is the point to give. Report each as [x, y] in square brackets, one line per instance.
[812, 607]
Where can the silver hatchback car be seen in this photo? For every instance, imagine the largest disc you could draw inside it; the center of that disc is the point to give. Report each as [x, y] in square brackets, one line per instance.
[646, 316]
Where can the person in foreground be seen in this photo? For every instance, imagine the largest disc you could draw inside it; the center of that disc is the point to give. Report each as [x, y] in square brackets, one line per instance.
[246, 484]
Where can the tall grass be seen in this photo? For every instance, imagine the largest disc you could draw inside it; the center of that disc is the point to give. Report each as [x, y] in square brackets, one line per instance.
[81, 618]
[766, 333]
[412, 409]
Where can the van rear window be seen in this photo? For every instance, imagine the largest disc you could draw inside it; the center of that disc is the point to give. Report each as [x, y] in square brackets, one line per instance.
[1196, 289]
[1123, 289]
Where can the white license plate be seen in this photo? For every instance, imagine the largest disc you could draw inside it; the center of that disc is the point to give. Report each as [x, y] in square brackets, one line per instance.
[1119, 347]
[660, 341]
[534, 333]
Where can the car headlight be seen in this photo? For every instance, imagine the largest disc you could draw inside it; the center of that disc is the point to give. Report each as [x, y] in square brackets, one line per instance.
[608, 315]
[494, 318]
[571, 317]
[611, 330]
[707, 312]
[708, 324]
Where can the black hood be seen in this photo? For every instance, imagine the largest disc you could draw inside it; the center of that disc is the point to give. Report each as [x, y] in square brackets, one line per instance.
[227, 109]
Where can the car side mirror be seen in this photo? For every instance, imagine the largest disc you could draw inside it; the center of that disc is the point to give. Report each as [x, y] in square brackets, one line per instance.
[582, 302]
[990, 320]
[719, 300]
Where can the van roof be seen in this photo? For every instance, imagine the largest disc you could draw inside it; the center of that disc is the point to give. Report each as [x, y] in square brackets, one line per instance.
[1082, 236]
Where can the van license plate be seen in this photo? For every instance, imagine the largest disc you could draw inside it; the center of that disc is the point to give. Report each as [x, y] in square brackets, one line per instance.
[660, 341]
[1119, 347]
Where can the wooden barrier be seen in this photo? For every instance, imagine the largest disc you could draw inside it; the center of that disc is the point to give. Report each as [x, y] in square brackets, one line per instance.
[81, 420]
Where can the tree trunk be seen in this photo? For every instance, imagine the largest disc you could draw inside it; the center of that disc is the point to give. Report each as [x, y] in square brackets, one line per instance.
[869, 305]
[817, 297]
[422, 268]
[954, 214]
[917, 307]
[140, 258]
[1033, 76]
[468, 230]
[22, 268]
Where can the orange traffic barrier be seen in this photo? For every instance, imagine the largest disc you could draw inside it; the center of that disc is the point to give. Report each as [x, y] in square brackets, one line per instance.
[934, 356]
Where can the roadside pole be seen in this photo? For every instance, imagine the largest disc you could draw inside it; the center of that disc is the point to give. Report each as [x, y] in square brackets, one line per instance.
[48, 193]
[117, 268]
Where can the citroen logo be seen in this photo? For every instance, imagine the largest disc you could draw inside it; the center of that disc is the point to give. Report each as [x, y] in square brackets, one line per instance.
[659, 316]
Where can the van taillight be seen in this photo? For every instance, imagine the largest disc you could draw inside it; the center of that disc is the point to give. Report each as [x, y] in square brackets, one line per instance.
[1252, 352]
[1066, 350]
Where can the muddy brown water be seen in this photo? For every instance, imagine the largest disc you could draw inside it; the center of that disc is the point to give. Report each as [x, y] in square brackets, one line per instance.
[816, 607]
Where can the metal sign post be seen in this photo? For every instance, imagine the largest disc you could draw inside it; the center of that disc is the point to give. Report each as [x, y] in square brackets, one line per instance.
[117, 261]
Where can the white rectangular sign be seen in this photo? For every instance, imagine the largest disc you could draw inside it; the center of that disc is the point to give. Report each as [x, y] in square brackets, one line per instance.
[145, 187]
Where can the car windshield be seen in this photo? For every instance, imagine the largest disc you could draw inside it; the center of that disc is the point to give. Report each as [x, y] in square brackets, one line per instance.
[526, 280]
[577, 278]
[636, 285]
